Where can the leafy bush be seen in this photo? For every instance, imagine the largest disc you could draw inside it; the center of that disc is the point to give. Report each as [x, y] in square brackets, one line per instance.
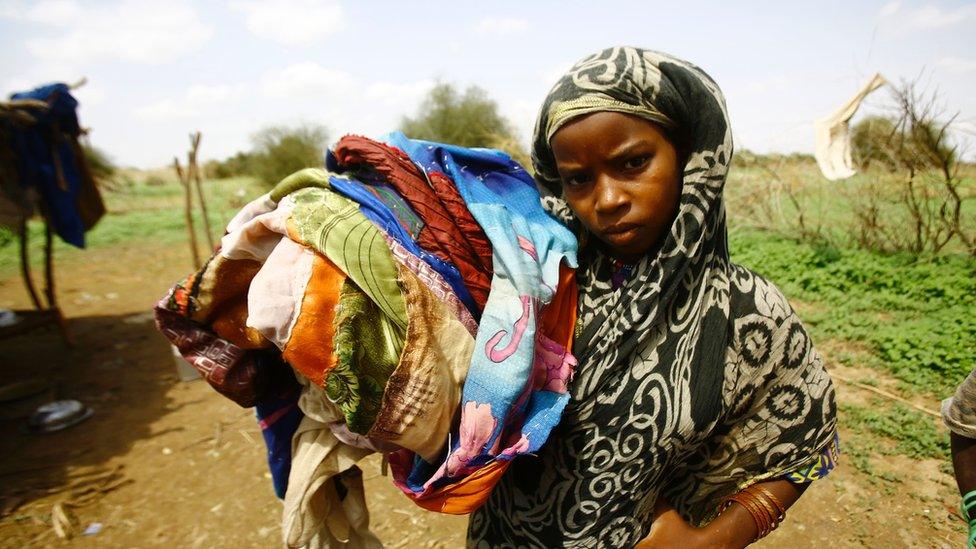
[915, 315]
[240, 164]
[155, 180]
[279, 151]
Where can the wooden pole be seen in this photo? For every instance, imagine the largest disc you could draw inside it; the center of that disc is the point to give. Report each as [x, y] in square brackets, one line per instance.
[49, 265]
[188, 211]
[25, 265]
[194, 170]
[49, 284]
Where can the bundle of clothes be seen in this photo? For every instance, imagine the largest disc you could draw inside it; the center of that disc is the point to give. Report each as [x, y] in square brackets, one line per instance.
[413, 299]
[43, 166]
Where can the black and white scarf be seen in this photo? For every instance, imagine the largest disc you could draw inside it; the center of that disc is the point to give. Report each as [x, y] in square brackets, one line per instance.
[695, 376]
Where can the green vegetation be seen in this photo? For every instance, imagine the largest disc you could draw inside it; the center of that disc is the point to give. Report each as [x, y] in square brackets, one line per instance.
[917, 316]
[280, 151]
[902, 430]
[884, 430]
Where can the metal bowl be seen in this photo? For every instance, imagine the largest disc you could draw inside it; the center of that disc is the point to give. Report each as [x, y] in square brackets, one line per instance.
[57, 415]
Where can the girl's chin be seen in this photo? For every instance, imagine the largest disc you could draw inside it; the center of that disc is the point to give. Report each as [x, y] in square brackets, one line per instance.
[628, 249]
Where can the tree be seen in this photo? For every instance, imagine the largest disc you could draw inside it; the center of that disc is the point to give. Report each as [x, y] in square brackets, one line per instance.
[280, 151]
[905, 142]
[871, 141]
[470, 119]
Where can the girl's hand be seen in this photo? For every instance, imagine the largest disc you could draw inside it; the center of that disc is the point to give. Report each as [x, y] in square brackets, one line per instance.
[670, 530]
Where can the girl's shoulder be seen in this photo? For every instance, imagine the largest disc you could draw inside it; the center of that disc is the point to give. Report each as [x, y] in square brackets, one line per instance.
[751, 294]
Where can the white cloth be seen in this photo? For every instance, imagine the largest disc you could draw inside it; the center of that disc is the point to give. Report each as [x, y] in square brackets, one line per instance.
[833, 138]
[315, 516]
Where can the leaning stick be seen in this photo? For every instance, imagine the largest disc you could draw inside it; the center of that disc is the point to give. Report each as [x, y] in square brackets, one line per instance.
[194, 169]
[187, 210]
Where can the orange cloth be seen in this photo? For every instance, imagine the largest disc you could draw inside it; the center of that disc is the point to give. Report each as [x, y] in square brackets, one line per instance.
[311, 349]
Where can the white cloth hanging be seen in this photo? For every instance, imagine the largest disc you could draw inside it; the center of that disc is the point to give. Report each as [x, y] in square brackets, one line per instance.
[833, 136]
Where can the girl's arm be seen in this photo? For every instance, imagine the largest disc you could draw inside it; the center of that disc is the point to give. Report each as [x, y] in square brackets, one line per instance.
[735, 527]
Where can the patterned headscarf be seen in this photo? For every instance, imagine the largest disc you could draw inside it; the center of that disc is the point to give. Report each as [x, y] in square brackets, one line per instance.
[695, 377]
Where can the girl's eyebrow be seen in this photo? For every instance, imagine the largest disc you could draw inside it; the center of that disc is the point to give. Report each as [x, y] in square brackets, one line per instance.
[628, 148]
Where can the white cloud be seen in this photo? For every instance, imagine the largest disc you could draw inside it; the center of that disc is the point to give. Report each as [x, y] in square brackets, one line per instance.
[890, 9]
[957, 65]
[522, 113]
[501, 26]
[90, 95]
[296, 94]
[54, 12]
[197, 100]
[307, 80]
[926, 17]
[131, 30]
[550, 76]
[292, 22]
[771, 84]
[407, 95]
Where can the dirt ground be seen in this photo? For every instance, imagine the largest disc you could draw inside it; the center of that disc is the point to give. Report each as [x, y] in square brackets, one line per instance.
[164, 462]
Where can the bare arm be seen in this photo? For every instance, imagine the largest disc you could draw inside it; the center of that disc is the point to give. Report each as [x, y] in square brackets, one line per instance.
[735, 527]
[964, 464]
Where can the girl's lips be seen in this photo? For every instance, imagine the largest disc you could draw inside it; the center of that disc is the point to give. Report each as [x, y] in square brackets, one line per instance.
[620, 235]
[623, 228]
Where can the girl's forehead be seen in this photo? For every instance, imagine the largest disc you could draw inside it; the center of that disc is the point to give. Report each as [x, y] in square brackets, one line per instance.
[603, 133]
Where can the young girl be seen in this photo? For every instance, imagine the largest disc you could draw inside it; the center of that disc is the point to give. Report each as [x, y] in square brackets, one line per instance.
[699, 409]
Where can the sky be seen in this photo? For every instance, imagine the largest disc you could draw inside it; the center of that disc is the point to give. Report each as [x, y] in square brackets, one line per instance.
[159, 70]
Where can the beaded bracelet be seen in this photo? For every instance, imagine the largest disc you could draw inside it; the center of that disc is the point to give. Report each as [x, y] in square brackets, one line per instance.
[966, 507]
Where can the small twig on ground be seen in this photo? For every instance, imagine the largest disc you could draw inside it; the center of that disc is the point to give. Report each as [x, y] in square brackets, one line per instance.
[246, 436]
[197, 441]
[885, 394]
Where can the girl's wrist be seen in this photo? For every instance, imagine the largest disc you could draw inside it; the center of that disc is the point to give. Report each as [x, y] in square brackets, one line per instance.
[719, 534]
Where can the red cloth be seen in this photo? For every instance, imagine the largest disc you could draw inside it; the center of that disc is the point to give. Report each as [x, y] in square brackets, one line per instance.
[450, 231]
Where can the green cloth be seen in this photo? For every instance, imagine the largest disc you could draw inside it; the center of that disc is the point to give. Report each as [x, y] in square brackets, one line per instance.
[309, 177]
[368, 346]
[333, 226]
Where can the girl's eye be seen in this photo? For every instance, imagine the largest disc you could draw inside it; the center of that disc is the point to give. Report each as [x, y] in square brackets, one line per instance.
[637, 162]
[575, 180]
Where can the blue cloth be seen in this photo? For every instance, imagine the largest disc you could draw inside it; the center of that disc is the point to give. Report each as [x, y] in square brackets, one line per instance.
[502, 414]
[377, 212]
[279, 417]
[36, 146]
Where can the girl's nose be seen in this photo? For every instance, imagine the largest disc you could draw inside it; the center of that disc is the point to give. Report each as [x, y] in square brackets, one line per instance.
[609, 196]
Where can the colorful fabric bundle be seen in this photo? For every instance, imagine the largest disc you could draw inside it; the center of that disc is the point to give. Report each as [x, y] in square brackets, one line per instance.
[423, 298]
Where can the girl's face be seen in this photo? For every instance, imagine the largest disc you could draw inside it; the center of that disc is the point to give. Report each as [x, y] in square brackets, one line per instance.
[621, 177]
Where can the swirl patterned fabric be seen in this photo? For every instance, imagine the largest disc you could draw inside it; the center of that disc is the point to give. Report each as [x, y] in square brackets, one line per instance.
[695, 376]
